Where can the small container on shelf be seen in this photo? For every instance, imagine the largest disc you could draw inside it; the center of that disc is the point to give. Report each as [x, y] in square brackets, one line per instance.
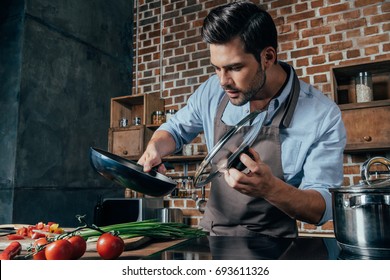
[137, 121]
[363, 87]
[123, 122]
[158, 117]
[169, 113]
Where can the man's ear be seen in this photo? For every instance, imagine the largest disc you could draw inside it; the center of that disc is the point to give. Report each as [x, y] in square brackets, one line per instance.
[269, 53]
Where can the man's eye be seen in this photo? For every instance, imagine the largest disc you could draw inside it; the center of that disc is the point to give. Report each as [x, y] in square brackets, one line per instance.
[236, 68]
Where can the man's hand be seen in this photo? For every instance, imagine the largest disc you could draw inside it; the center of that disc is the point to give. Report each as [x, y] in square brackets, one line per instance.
[256, 181]
[259, 181]
[150, 159]
[161, 144]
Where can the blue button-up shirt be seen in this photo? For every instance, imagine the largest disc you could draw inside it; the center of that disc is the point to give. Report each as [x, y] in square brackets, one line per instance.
[312, 147]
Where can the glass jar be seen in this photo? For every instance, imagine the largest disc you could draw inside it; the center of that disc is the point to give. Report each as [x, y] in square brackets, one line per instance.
[363, 87]
[158, 117]
[169, 113]
[123, 122]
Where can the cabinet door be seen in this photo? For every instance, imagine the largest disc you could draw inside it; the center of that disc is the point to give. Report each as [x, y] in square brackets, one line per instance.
[367, 128]
[127, 142]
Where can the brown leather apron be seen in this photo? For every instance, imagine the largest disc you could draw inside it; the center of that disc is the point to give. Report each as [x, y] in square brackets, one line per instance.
[230, 212]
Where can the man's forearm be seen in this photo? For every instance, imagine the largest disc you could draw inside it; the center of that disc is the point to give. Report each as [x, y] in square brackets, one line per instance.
[163, 142]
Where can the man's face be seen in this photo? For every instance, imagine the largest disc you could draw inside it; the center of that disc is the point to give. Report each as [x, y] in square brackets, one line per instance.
[239, 72]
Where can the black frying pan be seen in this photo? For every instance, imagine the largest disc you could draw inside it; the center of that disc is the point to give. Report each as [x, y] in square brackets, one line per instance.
[129, 174]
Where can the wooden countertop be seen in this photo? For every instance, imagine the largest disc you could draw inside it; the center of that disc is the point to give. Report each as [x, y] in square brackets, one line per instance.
[135, 249]
[147, 249]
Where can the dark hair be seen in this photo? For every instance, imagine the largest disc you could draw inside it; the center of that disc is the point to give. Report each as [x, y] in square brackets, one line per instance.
[251, 23]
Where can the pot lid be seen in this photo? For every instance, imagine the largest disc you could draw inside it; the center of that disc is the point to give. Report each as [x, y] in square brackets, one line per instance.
[129, 174]
[367, 184]
[225, 154]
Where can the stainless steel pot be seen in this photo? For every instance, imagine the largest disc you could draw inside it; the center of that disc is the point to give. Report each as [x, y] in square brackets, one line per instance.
[361, 214]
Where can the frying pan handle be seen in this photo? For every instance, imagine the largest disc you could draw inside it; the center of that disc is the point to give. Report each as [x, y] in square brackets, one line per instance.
[365, 169]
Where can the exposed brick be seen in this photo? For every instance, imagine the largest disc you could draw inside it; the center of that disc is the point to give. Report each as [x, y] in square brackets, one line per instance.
[304, 52]
[320, 79]
[316, 22]
[178, 91]
[302, 44]
[321, 59]
[384, 18]
[369, 11]
[376, 39]
[339, 46]
[354, 14]
[352, 169]
[300, 16]
[353, 53]
[179, 203]
[336, 37]
[350, 24]
[319, 40]
[371, 50]
[302, 62]
[287, 46]
[353, 33]
[285, 29]
[312, 32]
[316, 4]
[317, 69]
[334, 9]
[346, 181]
[362, 3]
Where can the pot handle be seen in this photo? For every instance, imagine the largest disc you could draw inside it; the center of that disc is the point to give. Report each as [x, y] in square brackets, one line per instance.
[365, 169]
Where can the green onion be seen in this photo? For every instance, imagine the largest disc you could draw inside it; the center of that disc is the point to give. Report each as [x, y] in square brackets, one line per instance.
[149, 228]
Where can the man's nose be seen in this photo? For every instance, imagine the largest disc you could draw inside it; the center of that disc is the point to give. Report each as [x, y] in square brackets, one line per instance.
[224, 78]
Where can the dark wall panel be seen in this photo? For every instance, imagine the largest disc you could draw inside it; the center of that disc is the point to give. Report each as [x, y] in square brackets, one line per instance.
[74, 57]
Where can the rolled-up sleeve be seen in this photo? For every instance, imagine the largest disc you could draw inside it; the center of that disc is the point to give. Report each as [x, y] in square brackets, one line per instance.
[323, 167]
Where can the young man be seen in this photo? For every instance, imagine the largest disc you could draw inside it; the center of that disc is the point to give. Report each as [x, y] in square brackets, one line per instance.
[297, 155]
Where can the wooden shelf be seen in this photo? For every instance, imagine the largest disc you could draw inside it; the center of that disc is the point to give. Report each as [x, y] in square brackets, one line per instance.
[372, 104]
[366, 123]
[343, 85]
[131, 141]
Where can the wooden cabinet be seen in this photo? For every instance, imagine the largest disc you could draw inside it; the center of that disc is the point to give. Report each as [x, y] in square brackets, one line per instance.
[367, 123]
[130, 141]
[126, 142]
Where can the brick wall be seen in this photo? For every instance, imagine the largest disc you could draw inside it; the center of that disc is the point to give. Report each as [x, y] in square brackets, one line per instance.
[170, 57]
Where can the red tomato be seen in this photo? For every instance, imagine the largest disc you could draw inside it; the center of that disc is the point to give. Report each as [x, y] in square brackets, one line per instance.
[61, 249]
[41, 254]
[109, 246]
[40, 225]
[79, 246]
[37, 235]
[22, 231]
[15, 236]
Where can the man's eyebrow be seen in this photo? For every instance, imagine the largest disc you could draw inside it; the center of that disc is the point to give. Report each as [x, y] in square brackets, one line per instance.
[228, 65]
